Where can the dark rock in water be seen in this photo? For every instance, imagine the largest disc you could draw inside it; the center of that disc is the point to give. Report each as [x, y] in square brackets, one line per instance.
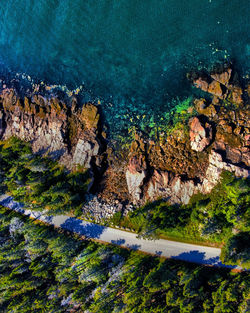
[218, 84]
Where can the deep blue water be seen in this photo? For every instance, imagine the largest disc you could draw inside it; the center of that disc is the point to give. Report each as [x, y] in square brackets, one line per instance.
[131, 53]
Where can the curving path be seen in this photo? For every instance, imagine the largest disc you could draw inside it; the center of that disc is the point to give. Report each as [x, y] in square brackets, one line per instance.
[170, 249]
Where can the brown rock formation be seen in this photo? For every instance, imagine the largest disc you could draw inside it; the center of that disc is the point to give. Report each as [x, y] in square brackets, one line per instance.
[191, 161]
[71, 136]
[136, 171]
[200, 135]
[219, 84]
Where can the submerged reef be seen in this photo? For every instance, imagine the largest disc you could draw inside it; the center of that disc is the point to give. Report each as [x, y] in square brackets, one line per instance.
[186, 160]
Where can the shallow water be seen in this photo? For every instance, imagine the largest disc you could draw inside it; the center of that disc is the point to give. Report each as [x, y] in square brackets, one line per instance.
[131, 53]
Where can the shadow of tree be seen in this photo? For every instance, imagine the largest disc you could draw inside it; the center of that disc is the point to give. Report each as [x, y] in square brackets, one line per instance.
[83, 228]
[133, 247]
[158, 253]
[118, 241]
[199, 257]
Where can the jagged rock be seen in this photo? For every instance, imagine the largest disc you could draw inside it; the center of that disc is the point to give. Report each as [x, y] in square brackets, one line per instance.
[181, 192]
[164, 184]
[1, 124]
[223, 77]
[84, 152]
[90, 116]
[237, 93]
[214, 170]
[135, 176]
[218, 84]
[200, 136]
[234, 155]
[47, 123]
[217, 160]
[158, 185]
[201, 83]
[202, 108]
[246, 156]
[215, 89]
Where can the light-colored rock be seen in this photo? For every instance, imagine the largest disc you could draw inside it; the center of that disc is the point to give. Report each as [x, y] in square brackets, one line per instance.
[135, 182]
[214, 170]
[135, 176]
[200, 136]
[165, 185]
[84, 152]
[1, 124]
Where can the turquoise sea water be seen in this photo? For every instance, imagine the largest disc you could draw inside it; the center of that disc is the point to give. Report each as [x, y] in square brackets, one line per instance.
[133, 54]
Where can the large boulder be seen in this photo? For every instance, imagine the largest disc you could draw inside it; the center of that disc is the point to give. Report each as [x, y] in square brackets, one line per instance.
[166, 185]
[200, 134]
[135, 176]
[222, 77]
[1, 124]
[214, 170]
[84, 152]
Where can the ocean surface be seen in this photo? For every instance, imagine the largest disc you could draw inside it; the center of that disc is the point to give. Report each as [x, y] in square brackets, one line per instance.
[133, 55]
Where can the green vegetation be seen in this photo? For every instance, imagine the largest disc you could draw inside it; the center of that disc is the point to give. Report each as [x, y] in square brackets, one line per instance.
[155, 126]
[46, 270]
[40, 182]
[220, 217]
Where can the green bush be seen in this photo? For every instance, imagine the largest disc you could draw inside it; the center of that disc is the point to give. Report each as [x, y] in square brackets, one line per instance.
[45, 270]
[40, 182]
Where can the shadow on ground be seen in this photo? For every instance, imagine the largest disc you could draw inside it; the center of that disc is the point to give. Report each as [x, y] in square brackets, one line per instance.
[199, 257]
[118, 242]
[83, 228]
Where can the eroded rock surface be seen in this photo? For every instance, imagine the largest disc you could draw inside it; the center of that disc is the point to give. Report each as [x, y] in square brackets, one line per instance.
[200, 135]
[218, 139]
[137, 170]
[67, 133]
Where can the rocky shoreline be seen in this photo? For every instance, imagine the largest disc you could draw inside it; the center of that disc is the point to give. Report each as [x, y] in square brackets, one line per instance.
[188, 160]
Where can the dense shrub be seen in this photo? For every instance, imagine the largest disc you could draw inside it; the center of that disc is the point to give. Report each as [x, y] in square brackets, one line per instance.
[39, 181]
[46, 270]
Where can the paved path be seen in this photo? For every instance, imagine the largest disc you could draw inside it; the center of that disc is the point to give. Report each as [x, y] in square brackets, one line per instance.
[166, 248]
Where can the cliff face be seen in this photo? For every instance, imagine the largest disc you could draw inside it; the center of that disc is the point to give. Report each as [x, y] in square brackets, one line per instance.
[69, 134]
[189, 160]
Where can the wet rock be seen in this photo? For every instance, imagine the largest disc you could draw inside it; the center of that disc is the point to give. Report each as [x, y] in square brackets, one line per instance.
[200, 135]
[223, 77]
[90, 116]
[202, 108]
[215, 89]
[201, 83]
